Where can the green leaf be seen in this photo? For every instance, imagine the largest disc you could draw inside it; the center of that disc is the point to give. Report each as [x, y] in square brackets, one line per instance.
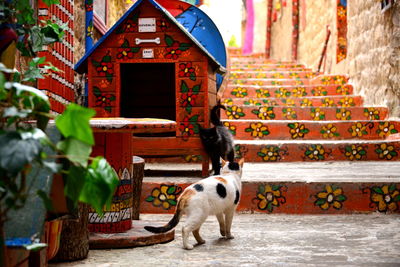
[184, 87]
[269, 206]
[194, 118]
[135, 49]
[74, 182]
[168, 40]
[275, 187]
[74, 122]
[291, 125]
[75, 150]
[184, 46]
[125, 44]
[106, 59]
[171, 190]
[96, 91]
[101, 182]
[341, 198]
[377, 190]
[188, 109]
[95, 63]
[172, 202]
[248, 129]
[261, 188]
[192, 76]
[149, 199]
[320, 201]
[16, 151]
[196, 88]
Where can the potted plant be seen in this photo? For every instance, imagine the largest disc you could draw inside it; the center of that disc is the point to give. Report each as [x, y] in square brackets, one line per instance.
[26, 148]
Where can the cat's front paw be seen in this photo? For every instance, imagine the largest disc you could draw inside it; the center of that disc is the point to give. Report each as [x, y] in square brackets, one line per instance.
[188, 247]
[223, 233]
[229, 236]
[201, 242]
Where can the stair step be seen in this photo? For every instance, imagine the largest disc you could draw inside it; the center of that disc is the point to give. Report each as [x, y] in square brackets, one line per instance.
[271, 74]
[319, 80]
[296, 188]
[311, 101]
[317, 150]
[304, 113]
[311, 130]
[279, 91]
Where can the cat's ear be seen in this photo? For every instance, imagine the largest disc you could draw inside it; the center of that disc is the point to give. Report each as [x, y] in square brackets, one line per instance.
[241, 162]
[223, 163]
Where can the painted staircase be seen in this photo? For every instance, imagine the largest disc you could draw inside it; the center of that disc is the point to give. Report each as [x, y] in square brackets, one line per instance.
[309, 143]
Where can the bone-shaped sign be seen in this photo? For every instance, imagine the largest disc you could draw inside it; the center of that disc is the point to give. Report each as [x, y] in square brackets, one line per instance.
[155, 40]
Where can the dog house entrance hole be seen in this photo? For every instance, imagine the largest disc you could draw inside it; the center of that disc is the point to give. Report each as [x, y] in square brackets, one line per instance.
[148, 90]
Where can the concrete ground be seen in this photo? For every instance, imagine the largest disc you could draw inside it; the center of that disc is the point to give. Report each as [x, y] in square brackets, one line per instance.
[271, 240]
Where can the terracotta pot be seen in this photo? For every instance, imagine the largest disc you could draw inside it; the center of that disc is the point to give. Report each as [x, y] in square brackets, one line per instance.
[52, 237]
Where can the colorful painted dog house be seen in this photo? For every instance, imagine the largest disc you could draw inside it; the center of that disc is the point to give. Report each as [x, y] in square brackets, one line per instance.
[149, 66]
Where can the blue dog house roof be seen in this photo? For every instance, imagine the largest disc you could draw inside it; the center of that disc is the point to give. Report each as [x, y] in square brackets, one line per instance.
[81, 66]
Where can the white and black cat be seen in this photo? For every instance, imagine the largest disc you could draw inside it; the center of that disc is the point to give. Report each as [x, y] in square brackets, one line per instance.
[216, 195]
[217, 141]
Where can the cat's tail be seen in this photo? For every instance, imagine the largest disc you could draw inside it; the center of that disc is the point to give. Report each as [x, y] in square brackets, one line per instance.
[214, 116]
[171, 224]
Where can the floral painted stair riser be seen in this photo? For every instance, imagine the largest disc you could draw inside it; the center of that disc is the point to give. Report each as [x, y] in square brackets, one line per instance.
[289, 197]
[288, 91]
[271, 74]
[309, 130]
[311, 101]
[304, 113]
[315, 151]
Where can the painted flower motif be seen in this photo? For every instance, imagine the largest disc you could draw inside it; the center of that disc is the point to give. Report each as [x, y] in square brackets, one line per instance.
[104, 100]
[289, 113]
[328, 102]
[315, 152]
[193, 158]
[339, 79]
[262, 93]
[188, 99]
[355, 152]
[341, 11]
[173, 51]
[124, 53]
[264, 113]
[270, 153]
[186, 70]
[299, 92]
[252, 102]
[234, 112]
[227, 102]
[289, 102]
[189, 126]
[371, 113]
[385, 129]
[105, 69]
[310, 75]
[269, 196]
[282, 93]
[386, 197]
[297, 130]
[89, 6]
[319, 91]
[326, 80]
[306, 103]
[276, 83]
[358, 129]
[347, 102]
[344, 90]
[129, 25]
[299, 82]
[162, 24]
[385, 151]
[259, 75]
[270, 103]
[277, 76]
[317, 114]
[294, 75]
[239, 92]
[332, 196]
[231, 128]
[89, 31]
[165, 196]
[329, 131]
[257, 129]
[343, 114]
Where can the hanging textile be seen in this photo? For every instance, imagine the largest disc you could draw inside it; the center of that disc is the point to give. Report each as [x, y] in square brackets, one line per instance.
[341, 50]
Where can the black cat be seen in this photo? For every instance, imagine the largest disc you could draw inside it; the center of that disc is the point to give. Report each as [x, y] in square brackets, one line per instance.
[217, 141]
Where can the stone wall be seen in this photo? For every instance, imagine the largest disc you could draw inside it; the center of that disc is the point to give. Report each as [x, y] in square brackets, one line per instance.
[281, 34]
[373, 57]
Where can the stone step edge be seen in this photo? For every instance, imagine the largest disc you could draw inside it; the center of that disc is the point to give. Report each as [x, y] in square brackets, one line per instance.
[316, 141]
